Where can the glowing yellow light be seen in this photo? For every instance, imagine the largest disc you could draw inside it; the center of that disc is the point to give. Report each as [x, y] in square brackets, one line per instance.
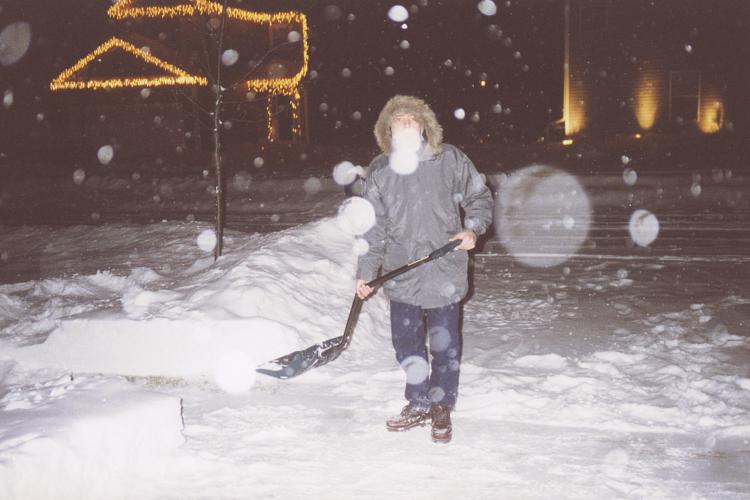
[269, 119]
[648, 98]
[276, 86]
[711, 114]
[124, 9]
[178, 76]
[482, 83]
[567, 142]
[645, 114]
[285, 86]
[637, 136]
[296, 117]
[575, 112]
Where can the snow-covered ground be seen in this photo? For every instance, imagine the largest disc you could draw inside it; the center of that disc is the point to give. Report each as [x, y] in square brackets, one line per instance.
[621, 372]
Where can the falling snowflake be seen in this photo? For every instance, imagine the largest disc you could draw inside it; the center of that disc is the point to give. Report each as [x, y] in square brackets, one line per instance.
[79, 176]
[293, 37]
[105, 154]
[643, 227]
[398, 14]
[207, 240]
[416, 369]
[229, 57]
[487, 7]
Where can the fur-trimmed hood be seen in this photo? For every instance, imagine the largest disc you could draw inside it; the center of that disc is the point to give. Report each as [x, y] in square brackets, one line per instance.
[421, 111]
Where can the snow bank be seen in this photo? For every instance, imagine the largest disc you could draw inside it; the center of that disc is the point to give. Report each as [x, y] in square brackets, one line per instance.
[267, 296]
[551, 362]
[731, 439]
[189, 347]
[83, 438]
[91, 436]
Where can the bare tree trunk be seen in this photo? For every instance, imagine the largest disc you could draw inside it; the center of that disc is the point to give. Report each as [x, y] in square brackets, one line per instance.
[220, 201]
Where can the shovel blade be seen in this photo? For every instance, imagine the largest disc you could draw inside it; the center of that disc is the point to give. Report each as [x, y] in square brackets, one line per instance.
[298, 362]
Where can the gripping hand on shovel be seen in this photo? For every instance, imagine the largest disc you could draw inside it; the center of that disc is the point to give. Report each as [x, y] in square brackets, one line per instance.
[465, 240]
[363, 291]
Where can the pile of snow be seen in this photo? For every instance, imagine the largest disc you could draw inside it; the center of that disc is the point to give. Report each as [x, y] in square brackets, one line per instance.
[84, 438]
[274, 294]
[192, 347]
[70, 417]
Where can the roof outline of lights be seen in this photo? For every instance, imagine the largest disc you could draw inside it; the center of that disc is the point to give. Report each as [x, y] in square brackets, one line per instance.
[125, 9]
[64, 81]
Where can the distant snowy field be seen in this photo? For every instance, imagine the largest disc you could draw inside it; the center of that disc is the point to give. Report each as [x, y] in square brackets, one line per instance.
[621, 372]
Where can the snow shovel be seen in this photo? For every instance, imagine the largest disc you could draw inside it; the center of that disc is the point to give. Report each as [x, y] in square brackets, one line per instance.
[298, 362]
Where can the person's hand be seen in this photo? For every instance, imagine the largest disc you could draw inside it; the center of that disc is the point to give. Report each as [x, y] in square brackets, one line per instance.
[363, 291]
[468, 239]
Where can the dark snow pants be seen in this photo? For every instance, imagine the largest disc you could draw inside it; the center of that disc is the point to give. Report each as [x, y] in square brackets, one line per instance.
[411, 329]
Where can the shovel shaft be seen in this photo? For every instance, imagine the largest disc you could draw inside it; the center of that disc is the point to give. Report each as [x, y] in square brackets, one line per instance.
[351, 322]
[401, 270]
[298, 362]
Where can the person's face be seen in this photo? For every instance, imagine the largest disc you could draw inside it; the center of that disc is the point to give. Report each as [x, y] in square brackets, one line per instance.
[403, 121]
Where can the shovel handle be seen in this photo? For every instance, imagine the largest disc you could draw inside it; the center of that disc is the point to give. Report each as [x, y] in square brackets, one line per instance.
[434, 255]
[445, 249]
[298, 362]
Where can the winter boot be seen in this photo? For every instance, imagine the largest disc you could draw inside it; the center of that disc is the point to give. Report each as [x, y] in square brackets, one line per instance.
[442, 430]
[409, 417]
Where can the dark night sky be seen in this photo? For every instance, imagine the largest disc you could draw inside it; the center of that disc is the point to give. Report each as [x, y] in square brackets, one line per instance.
[479, 47]
[518, 52]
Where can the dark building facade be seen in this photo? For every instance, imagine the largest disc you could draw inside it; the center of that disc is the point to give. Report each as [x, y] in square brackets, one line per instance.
[635, 66]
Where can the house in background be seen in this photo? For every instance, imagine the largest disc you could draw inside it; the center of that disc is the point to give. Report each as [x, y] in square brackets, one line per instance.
[153, 76]
[635, 66]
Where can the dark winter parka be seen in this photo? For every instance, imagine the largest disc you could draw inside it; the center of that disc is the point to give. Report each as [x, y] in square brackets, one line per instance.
[419, 212]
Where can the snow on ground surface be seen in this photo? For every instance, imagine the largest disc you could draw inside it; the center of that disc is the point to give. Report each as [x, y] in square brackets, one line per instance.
[621, 373]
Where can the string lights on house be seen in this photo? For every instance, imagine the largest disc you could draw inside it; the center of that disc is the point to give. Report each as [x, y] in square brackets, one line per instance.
[65, 80]
[269, 118]
[129, 9]
[275, 86]
[296, 116]
[125, 9]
